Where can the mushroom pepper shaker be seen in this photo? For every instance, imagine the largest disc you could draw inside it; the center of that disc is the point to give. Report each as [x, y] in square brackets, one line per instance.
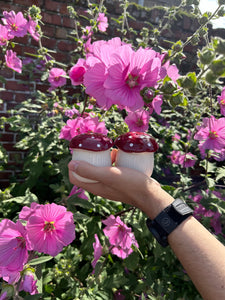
[93, 148]
[136, 151]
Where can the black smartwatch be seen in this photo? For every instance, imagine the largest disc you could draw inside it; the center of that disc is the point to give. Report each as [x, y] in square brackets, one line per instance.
[168, 220]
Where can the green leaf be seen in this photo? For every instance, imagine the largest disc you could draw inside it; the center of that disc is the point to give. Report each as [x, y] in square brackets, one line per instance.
[40, 260]
[80, 216]
[27, 199]
[33, 297]
[220, 173]
[75, 200]
[210, 182]
[131, 262]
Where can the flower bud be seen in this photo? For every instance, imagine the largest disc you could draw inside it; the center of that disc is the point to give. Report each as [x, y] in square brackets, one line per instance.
[195, 40]
[147, 95]
[186, 82]
[210, 77]
[177, 47]
[92, 101]
[169, 87]
[28, 282]
[206, 56]
[34, 12]
[203, 20]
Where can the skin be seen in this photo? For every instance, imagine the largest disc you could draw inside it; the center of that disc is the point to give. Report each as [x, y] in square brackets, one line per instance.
[200, 253]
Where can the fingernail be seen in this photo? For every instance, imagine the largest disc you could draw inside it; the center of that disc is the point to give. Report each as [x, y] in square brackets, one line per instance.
[75, 164]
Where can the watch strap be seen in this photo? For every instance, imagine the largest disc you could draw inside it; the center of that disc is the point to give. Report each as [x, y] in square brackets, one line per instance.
[168, 219]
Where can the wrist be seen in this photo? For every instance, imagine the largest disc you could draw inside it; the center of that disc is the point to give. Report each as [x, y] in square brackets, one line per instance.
[168, 220]
[154, 200]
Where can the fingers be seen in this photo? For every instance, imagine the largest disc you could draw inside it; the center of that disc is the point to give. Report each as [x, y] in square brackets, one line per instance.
[89, 171]
[119, 178]
[120, 184]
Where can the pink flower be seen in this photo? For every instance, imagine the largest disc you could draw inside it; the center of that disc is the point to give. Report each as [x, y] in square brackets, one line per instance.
[88, 32]
[13, 245]
[172, 71]
[155, 105]
[97, 251]
[99, 59]
[9, 276]
[57, 78]
[12, 61]
[219, 156]
[120, 237]
[130, 72]
[176, 137]
[200, 211]
[138, 120]
[88, 46]
[31, 28]
[102, 22]
[50, 228]
[212, 134]
[76, 73]
[71, 112]
[15, 23]
[187, 160]
[175, 157]
[80, 125]
[79, 192]
[221, 101]
[28, 283]
[4, 35]
[26, 211]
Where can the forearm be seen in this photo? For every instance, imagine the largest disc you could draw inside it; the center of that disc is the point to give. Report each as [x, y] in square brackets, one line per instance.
[202, 256]
[200, 253]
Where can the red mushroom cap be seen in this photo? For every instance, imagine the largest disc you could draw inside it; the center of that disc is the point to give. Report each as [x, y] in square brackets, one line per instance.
[136, 142]
[91, 141]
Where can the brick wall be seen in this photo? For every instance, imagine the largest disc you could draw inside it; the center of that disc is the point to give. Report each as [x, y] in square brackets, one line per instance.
[57, 26]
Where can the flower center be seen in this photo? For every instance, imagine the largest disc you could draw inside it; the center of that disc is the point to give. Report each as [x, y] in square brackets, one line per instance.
[21, 243]
[222, 102]
[57, 78]
[14, 27]
[49, 226]
[213, 134]
[132, 81]
[139, 122]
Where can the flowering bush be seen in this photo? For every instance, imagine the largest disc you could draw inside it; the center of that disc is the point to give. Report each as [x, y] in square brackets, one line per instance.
[118, 85]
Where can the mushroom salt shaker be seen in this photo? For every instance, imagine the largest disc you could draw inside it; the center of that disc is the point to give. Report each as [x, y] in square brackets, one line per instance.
[136, 151]
[93, 148]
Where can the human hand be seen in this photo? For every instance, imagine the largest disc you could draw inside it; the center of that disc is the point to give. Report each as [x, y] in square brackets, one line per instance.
[122, 184]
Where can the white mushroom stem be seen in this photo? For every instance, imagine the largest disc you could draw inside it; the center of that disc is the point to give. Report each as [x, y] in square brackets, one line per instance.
[143, 162]
[96, 158]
